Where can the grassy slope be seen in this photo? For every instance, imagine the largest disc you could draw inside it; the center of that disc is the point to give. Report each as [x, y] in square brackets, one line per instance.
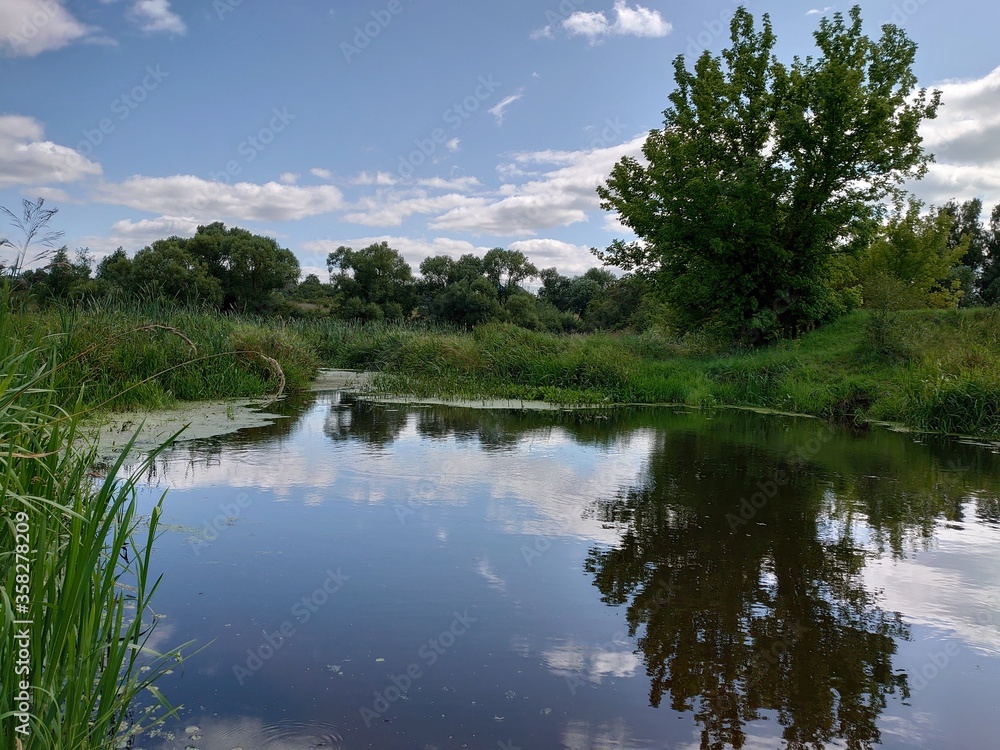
[944, 378]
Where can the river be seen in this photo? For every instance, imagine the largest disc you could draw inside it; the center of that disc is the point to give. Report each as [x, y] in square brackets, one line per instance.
[361, 575]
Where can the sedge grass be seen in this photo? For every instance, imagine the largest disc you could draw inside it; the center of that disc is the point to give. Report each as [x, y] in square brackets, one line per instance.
[76, 576]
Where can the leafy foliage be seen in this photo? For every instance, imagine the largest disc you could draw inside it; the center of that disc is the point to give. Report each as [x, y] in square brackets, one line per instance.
[764, 173]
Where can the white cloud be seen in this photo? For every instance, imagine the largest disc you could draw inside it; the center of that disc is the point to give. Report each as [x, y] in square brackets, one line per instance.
[592, 663]
[461, 184]
[389, 208]
[187, 195]
[135, 235]
[323, 174]
[638, 21]
[570, 259]
[453, 144]
[555, 197]
[817, 11]
[288, 178]
[613, 224]
[155, 16]
[144, 231]
[379, 178]
[498, 110]
[587, 24]
[965, 139]
[543, 33]
[413, 249]
[30, 27]
[51, 194]
[27, 159]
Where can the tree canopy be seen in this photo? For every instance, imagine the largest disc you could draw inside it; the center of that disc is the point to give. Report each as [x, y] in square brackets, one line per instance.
[763, 173]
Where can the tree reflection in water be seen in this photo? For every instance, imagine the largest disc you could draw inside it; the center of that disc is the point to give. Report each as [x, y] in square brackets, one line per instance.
[769, 616]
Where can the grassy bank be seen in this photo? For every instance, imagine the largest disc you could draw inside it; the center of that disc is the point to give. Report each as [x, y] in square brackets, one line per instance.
[931, 370]
[129, 356]
[935, 371]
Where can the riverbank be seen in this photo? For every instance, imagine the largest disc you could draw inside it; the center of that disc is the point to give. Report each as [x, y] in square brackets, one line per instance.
[941, 373]
[937, 371]
[143, 357]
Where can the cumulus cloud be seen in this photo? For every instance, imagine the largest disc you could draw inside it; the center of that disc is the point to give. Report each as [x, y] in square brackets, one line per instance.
[155, 16]
[560, 190]
[144, 231]
[379, 178]
[52, 194]
[323, 174]
[570, 259]
[413, 249]
[27, 159]
[965, 139]
[461, 184]
[135, 235]
[200, 199]
[30, 27]
[625, 21]
[288, 178]
[390, 208]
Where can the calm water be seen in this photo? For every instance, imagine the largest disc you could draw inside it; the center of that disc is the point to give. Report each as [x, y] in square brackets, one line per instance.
[392, 577]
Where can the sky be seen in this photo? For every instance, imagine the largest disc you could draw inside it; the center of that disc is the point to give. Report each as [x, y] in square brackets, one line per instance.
[442, 128]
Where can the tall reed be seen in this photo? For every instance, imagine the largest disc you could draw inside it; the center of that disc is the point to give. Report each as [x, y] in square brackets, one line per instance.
[76, 578]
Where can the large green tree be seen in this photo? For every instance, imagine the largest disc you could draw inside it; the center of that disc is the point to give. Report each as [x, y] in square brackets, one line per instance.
[507, 269]
[249, 267]
[764, 172]
[375, 282]
[989, 282]
[166, 270]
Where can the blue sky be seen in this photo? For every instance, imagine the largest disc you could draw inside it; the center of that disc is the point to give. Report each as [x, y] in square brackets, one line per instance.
[441, 127]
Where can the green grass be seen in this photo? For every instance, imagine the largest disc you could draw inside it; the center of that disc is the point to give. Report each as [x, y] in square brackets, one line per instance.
[943, 374]
[127, 356]
[940, 374]
[75, 555]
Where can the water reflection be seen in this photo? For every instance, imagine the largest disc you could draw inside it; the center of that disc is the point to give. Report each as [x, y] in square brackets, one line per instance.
[763, 613]
[767, 579]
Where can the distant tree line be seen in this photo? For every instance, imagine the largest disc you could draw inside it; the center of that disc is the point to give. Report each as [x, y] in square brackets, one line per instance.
[939, 258]
[233, 270]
